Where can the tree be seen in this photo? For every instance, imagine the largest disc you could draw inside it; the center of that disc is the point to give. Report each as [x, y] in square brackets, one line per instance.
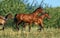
[13, 6]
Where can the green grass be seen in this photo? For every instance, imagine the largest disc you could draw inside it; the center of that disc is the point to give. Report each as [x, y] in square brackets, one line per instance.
[46, 33]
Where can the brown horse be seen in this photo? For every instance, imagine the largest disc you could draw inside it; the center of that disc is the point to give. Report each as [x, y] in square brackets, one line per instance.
[4, 19]
[27, 17]
[39, 20]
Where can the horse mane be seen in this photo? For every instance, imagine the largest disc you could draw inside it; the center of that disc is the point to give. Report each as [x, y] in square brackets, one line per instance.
[7, 15]
[37, 8]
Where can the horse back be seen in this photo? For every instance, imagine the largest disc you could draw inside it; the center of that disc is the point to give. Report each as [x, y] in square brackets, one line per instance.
[1, 17]
[24, 17]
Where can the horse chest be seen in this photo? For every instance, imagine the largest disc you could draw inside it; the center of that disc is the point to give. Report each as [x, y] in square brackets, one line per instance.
[38, 21]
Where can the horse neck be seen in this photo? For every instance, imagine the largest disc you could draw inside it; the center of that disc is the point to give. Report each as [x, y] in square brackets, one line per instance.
[42, 17]
[35, 13]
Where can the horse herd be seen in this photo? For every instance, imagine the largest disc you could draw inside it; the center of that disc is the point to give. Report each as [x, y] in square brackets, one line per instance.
[27, 18]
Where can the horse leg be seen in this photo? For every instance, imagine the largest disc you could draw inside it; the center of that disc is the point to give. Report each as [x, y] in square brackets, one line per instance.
[3, 27]
[30, 27]
[41, 26]
[23, 26]
[17, 25]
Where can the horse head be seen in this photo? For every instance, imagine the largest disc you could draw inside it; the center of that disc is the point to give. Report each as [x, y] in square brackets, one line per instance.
[47, 15]
[9, 16]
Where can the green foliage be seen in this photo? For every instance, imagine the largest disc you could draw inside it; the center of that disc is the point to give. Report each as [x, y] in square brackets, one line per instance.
[13, 6]
[55, 15]
[18, 6]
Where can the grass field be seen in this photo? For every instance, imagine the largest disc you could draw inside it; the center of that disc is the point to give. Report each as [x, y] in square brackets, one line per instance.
[46, 33]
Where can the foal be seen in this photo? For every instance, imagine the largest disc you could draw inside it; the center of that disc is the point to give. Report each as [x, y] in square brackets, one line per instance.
[28, 18]
[4, 19]
[39, 20]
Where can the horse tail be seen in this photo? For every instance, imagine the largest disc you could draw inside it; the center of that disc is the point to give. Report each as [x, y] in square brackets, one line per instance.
[15, 19]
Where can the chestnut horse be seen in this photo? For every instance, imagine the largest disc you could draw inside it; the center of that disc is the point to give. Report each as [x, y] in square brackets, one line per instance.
[4, 19]
[27, 17]
[39, 20]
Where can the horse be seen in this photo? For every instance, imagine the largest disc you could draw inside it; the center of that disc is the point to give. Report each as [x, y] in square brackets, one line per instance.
[3, 20]
[39, 20]
[27, 17]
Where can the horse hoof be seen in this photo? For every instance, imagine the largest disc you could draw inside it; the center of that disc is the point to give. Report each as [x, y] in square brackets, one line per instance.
[3, 29]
